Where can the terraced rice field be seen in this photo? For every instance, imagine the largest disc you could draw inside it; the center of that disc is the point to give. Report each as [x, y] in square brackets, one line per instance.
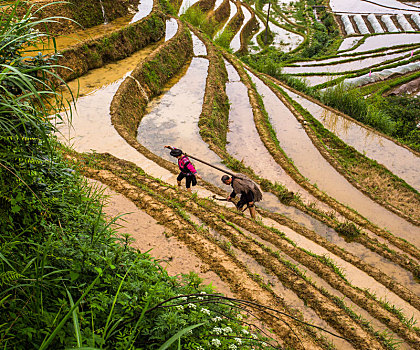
[339, 258]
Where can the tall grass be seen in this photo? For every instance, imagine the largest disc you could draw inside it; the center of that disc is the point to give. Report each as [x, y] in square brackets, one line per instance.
[352, 102]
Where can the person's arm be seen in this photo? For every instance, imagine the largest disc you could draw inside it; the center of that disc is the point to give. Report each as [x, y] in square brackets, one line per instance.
[170, 147]
[193, 171]
[232, 195]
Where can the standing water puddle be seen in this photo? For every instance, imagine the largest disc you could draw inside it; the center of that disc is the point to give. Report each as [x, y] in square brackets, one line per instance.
[399, 160]
[297, 145]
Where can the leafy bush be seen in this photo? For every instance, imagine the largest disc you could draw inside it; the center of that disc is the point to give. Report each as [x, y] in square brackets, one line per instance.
[223, 39]
[269, 62]
[405, 111]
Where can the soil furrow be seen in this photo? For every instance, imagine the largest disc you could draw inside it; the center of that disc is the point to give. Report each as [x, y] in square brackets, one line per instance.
[357, 296]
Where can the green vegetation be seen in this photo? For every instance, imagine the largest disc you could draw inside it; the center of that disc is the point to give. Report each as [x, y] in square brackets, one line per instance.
[349, 230]
[67, 278]
[196, 17]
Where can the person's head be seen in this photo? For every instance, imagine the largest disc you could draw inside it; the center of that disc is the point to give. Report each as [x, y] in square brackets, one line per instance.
[226, 179]
[176, 153]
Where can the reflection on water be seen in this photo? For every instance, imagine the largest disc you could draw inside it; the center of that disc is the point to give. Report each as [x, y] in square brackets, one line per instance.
[245, 144]
[233, 10]
[198, 46]
[387, 40]
[395, 158]
[65, 41]
[344, 67]
[173, 119]
[186, 4]
[297, 145]
[171, 28]
[349, 42]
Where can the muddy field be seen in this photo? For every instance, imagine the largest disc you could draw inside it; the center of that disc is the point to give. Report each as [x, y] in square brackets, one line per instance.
[334, 245]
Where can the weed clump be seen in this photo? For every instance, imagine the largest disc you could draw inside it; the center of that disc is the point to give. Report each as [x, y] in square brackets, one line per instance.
[348, 230]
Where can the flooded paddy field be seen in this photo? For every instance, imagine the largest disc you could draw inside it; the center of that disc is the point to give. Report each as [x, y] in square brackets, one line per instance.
[359, 286]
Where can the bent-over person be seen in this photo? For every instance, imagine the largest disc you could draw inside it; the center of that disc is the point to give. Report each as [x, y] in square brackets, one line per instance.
[248, 189]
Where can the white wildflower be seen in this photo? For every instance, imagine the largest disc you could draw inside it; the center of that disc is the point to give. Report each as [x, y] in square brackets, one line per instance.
[203, 293]
[217, 330]
[239, 317]
[179, 307]
[216, 319]
[216, 342]
[200, 298]
[244, 331]
[205, 311]
[238, 340]
[233, 347]
[227, 330]
[200, 347]
[254, 336]
[192, 306]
